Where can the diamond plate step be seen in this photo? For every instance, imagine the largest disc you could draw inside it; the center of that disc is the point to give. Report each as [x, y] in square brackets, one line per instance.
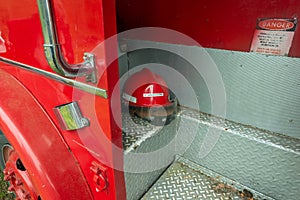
[186, 180]
[141, 137]
[135, 131]
[262, 160]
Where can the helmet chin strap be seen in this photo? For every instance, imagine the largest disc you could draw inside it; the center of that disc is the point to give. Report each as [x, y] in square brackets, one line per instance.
[152, 119]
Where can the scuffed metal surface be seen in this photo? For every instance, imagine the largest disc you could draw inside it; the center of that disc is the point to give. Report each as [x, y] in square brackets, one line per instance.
[263, 136]
[142, 138]
[135, 131]
[185, 181]
[261, 90]
[264, 161]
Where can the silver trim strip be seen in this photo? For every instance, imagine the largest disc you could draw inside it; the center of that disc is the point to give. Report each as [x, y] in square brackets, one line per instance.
[82, 86]
[53, 51]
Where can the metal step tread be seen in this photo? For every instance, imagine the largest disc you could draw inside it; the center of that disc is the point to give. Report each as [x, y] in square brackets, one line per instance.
[136, 131]
[187, 180]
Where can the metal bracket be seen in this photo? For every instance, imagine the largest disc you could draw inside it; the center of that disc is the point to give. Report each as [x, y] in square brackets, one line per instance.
[70, 116]
[100, 176]
[89, 59]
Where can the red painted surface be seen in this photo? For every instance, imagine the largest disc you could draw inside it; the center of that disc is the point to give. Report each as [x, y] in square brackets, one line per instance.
[40, 146]
[214, 24]
[82, 26]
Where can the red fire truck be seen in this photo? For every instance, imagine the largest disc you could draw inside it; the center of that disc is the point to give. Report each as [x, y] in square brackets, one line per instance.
[129, 99]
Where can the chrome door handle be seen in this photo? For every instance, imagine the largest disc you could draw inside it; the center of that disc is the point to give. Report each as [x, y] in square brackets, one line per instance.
[53, 50]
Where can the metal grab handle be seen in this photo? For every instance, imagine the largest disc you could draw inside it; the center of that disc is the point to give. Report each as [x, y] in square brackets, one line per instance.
[53, 50]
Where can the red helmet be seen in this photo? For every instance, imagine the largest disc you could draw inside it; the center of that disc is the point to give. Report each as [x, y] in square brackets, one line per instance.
[149, 98]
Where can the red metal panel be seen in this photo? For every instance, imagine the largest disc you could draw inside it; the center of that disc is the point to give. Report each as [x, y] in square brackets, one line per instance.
[79, 24]
[39, 144]
[216, 24]
[82, 25]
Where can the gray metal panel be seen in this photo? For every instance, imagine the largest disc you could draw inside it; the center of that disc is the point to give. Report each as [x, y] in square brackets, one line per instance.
[262, 91]
[135, 131]
[142, 168]
[137, 184]
[184, 181]
[264, 161]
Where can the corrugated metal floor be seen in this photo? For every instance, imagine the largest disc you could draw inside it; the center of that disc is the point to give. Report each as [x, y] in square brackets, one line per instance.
[135, 131]
[184, 181]
[262, 160]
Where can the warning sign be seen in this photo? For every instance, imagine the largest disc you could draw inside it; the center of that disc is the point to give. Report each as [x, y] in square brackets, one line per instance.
[273, 36]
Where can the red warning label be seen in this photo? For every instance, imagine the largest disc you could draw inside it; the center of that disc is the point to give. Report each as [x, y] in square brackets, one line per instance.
[276, 24]
[273, 36]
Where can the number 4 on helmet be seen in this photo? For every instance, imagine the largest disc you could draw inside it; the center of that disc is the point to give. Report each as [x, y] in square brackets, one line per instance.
[148, 97]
